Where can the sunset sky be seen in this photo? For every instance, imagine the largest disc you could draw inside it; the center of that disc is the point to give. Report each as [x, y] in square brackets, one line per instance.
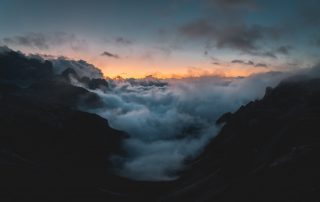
[168, 38]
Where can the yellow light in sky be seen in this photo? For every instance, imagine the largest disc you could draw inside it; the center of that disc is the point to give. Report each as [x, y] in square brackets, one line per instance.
[178, 72]
[159, 68]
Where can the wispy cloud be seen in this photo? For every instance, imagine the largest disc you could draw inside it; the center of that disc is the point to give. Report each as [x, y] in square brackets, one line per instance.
[108, 54]
[123, 41]
[284, 49]
[250, 63]
[45, 41]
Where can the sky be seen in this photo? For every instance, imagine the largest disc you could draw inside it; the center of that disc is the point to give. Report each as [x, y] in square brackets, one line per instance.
[168, 38]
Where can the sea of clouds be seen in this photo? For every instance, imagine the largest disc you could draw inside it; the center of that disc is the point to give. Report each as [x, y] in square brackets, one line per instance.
[168, 122]
[171, 121]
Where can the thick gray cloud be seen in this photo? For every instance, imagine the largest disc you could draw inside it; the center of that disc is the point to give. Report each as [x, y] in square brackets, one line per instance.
[241, 37]
[108, 54]
[224, 26]
[230, 24]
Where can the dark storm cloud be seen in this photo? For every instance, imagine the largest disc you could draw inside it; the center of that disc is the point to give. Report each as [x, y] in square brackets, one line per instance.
[235, 36]
[44, 41]
[108, 54]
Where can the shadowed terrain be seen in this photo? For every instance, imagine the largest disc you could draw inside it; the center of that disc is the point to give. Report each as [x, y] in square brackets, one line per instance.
[267, 150]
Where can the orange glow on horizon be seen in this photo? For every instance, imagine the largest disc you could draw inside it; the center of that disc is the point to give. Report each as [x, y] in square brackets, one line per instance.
[181, 73]
[140, 69]
[165, 69]
[172, 68]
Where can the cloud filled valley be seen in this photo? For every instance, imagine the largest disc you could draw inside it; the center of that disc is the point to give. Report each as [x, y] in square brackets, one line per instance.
[168, 122]
[171, 121]
[65, 126]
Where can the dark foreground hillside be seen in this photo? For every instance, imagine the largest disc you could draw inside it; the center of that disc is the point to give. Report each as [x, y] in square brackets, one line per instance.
[49, 149]
[268, 150]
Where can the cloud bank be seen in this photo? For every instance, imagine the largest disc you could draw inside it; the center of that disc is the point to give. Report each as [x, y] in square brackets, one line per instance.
[170, 122]
[81, 67]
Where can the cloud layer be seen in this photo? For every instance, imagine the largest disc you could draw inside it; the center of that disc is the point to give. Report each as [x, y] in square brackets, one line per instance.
[171, 121]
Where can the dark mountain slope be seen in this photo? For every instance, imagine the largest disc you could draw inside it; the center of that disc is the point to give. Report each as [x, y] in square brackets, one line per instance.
[49, 150]
[269, 150]
[16, 67]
